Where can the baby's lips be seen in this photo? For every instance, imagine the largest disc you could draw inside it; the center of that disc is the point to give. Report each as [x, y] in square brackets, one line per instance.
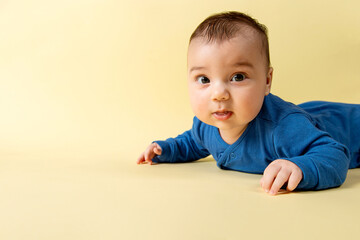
[223, 115]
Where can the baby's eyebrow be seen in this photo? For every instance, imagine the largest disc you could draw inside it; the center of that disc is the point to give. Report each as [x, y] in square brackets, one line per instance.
[247, 64]
[237, 64]
[196, 68]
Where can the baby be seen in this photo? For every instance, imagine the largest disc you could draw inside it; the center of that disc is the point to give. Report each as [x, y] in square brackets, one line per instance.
[246, 128]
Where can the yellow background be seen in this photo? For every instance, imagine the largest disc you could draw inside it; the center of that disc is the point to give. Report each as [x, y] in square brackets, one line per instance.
[86, 85]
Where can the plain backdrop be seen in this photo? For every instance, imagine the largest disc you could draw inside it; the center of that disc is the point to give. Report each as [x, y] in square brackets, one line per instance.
[86, 85]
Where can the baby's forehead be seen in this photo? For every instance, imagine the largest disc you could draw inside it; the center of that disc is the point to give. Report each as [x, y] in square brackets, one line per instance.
[246, 42]
[246, 37]
[249, 37]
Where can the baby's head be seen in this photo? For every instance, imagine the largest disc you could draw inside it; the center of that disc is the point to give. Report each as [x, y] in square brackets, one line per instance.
[224, 26]
[229, 70]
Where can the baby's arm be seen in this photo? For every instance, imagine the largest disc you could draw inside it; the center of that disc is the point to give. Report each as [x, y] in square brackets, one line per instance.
[185, 147]
[278, 173]
[323, 161]
[151, 151]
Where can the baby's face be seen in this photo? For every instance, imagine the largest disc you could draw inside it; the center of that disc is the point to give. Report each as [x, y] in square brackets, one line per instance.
[228, 81]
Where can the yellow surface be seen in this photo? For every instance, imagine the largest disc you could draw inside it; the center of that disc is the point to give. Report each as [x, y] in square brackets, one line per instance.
[86, 85]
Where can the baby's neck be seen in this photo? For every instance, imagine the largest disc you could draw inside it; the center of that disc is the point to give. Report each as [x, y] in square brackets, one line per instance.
[232, 135]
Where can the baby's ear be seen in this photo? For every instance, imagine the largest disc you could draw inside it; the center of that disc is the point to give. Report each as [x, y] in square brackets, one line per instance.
[269, 81]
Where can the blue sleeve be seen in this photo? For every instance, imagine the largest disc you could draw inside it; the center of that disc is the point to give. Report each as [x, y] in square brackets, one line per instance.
[323, 161]
[185, 147]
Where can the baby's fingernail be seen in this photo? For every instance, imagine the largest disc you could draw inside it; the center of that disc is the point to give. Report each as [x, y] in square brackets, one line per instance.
[267, 190]
[272, 192]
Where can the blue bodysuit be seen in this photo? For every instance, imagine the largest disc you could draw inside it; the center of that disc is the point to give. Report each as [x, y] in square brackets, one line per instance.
[321, 138]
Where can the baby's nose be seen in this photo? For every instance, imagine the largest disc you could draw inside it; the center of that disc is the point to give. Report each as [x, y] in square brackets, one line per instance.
[220, 92]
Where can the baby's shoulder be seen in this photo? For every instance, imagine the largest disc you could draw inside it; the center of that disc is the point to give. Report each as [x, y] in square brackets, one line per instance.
[277, 110]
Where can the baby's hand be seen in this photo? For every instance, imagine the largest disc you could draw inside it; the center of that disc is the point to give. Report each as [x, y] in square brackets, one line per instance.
[151, 151]
[278, 173]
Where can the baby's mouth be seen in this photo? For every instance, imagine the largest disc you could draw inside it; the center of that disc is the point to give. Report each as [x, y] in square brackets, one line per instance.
[222, 115]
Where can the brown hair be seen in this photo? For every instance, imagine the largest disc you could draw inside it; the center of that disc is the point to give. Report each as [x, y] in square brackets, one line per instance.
[226, 25]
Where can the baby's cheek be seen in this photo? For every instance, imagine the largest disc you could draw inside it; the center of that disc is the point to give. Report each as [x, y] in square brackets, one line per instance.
[197, 102]
[201, 111]
[200, 104]
[251, 107]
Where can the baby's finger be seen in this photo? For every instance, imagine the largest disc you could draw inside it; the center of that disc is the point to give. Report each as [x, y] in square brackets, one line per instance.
[261, 181]
[149, 154]
[157, 150]
[280, 180]
[294, 180]
[269, 175]
[141, 159]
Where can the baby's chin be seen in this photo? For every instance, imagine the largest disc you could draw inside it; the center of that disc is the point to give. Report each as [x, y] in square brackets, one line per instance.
[226, 125]
[207, 121]
[229, 126]
[221, 125]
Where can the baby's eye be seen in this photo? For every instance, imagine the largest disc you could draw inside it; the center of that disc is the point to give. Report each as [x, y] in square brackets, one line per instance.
[238, 77]
[203, 80]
